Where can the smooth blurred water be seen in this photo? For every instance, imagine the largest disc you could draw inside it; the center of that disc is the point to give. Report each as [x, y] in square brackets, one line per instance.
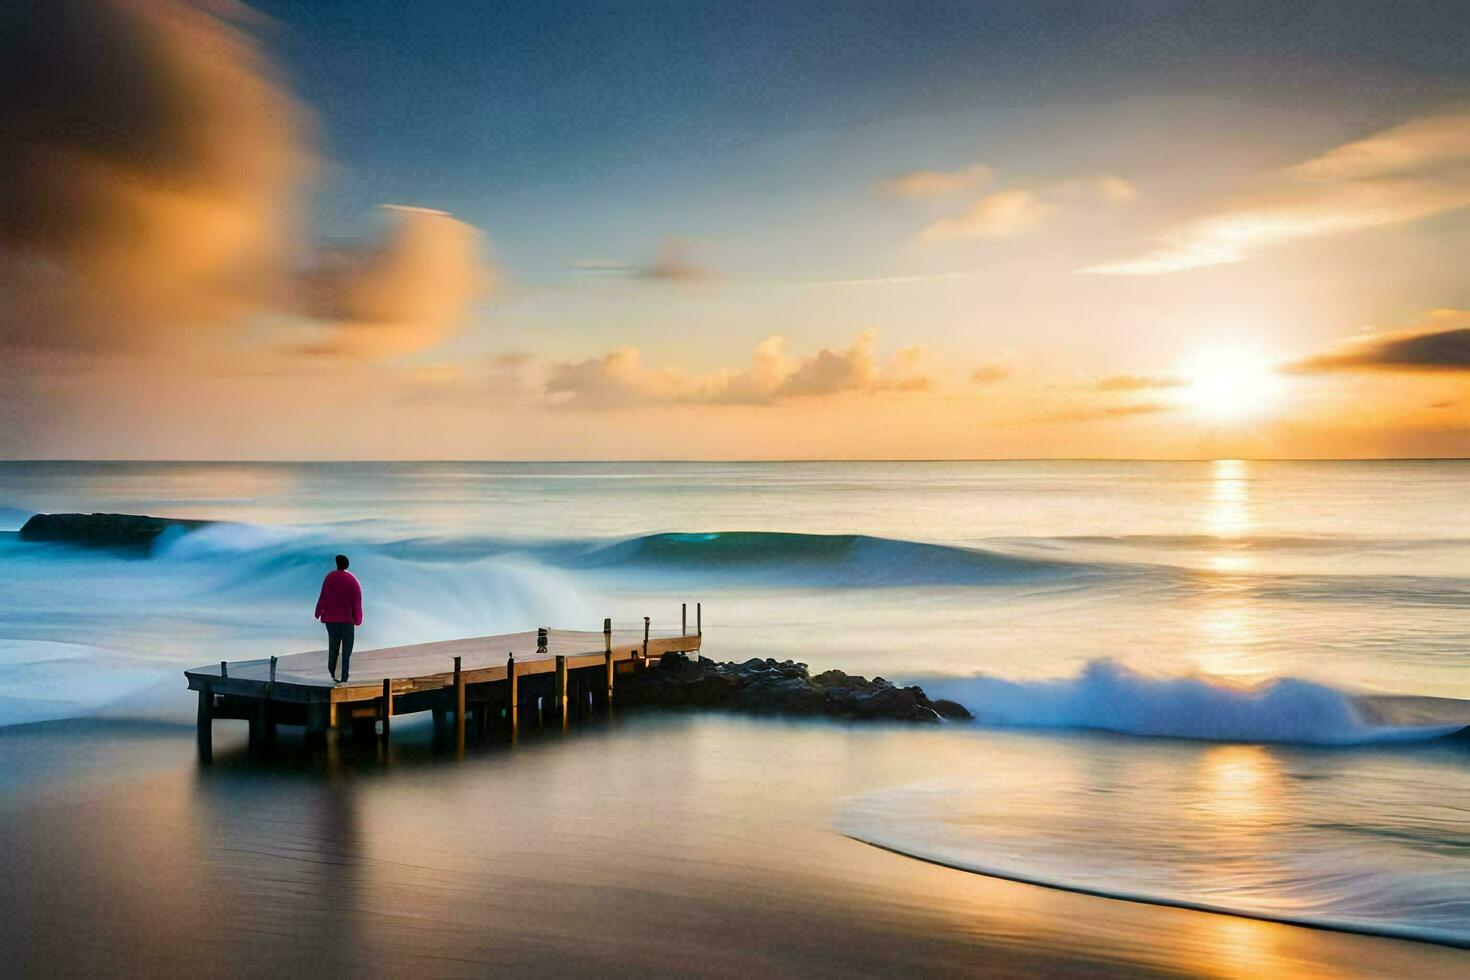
[1236, 601]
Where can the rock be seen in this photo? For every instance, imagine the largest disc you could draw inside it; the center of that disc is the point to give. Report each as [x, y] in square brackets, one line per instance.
[102, 530]
[768, 687]
[952, 710]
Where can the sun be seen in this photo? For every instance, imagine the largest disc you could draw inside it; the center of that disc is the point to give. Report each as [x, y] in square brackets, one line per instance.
[1229, 385]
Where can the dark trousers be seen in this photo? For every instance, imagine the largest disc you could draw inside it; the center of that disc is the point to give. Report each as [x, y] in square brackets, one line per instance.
[339, 638]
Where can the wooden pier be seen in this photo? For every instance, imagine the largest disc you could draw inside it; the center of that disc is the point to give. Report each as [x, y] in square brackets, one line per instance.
[473, 684]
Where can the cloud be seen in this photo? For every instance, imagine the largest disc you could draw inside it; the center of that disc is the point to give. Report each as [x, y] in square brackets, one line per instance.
[1106, 412]
[1412, 171]
[148, 158]
[401, 294]
[1442, 344]
[1018, 210]
[674, 262]
[1003, 214]
[937, 183]
[989, 374]
[1135, 382]
[620, 378]
[151, 165]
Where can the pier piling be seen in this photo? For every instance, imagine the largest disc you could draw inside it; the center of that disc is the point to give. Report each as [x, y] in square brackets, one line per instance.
[458, 709]
[561, 689]
[385, 710]
[206, 724]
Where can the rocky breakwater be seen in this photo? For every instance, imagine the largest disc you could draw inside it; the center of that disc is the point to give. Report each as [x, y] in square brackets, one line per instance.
[102, 530]
[780, 688]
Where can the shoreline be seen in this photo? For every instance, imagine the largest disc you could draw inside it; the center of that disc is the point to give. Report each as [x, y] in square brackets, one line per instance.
[656, 843]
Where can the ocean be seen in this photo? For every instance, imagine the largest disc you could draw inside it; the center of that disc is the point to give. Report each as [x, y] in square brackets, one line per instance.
[1163, 657]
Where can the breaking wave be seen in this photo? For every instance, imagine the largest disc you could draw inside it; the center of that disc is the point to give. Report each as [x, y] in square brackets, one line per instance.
[823, 559]
[1107, 696]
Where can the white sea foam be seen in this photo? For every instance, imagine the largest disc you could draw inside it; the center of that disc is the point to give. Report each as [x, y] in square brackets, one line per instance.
[1108, 696]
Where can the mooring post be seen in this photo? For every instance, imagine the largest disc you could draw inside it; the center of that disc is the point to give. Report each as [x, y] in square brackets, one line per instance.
[683, 619]
[561, 688]
[645, 637]
[385, 710]
[205, 722]
[541, 639]
[699, 619]
[224, 670]
[512, 693]
[607, 635]
[458, 709]
[610, 673]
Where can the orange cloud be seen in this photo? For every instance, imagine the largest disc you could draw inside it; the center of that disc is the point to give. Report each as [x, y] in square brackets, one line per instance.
[404, 293]
[1136, 382]
[1018, 210]
[937, 183]
[151, 161]
[148, 158]
[620, 378]
[1412, 171]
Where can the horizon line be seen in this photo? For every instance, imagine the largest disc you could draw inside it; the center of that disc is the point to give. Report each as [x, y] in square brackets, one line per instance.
[811, 459]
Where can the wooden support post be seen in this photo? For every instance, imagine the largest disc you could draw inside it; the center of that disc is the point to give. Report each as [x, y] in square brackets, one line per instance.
[318, 719]
[607, 635]
[458, 709]
[268, 718]
[512, 693]
[645, 637]
[683, 619]
[385, 710]
[699, 619]
[610, 673]
[561, 688]
[205, 722]
[224, 670]
[257, 727]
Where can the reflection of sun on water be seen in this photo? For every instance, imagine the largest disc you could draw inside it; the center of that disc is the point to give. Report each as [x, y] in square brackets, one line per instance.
[1226, 622]
[1228, 511]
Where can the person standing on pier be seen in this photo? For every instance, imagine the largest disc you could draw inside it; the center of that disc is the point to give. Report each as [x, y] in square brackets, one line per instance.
[339, 607]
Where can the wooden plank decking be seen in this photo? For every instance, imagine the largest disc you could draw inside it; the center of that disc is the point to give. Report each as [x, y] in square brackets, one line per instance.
[483, 677]
[303, 677]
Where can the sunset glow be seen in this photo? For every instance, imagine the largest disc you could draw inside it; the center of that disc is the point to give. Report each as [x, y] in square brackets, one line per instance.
[1228, 385]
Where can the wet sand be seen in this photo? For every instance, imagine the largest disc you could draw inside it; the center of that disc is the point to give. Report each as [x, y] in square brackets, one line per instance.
[672, 845]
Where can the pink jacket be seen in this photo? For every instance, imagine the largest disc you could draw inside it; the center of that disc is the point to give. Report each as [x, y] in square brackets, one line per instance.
[341, 599]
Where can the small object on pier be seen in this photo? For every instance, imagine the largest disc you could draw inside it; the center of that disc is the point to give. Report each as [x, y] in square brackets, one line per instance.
[224, 669]
[645, 637]
[458, 709]
[541, 640]
[699, 619]
[683, 619]
[273, 670]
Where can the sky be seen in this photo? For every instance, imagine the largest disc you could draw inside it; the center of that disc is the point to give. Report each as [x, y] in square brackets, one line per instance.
[595, 230]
